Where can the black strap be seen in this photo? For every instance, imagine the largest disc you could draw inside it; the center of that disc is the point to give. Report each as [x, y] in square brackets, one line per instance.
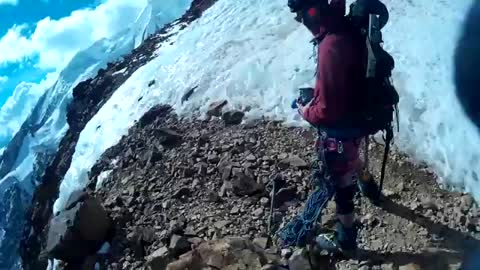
[388, 141]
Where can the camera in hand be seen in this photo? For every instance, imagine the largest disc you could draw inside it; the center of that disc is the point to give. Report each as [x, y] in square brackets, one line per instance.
[306, 95]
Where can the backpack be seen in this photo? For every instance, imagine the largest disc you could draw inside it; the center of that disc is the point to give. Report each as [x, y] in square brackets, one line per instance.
[381, 98]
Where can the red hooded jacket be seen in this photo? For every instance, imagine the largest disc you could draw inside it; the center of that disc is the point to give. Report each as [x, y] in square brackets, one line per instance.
[341, 69]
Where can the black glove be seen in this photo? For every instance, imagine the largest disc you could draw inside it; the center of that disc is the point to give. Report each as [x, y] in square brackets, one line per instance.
[296, 5]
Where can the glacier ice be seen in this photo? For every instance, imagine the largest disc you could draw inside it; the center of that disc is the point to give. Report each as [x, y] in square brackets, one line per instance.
[254, 54]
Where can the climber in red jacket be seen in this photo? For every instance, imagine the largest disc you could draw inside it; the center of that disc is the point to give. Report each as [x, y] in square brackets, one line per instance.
[340, 81]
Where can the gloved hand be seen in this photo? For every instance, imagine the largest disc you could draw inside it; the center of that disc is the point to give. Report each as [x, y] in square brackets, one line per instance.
[295, 5]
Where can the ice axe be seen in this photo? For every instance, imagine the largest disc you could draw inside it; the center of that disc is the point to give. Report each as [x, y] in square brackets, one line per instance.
[277, 183]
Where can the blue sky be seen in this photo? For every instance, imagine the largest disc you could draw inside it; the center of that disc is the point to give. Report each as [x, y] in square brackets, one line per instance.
[39, 37]
[28, 13]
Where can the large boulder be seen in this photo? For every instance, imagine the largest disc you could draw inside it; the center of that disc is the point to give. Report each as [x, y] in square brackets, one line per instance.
[79, 230]
[215, 108]
[244, 183]
[233, 117]
[230, 253]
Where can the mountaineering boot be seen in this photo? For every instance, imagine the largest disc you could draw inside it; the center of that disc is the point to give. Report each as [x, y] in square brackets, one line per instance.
[343, 240]
[368, 187]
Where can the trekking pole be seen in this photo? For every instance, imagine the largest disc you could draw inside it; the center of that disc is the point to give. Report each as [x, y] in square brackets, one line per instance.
[270, 219]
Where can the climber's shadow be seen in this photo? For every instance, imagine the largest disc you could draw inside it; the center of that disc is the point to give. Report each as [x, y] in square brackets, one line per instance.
[443, 236]
[426, 260]
[452, 245]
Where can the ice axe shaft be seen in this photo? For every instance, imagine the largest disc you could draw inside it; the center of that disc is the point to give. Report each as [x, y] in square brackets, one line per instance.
[270, 218]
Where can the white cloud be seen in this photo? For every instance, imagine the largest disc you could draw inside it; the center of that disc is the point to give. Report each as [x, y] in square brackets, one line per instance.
[14, 46]
[3, 79]
[57, 41]
[9, 2]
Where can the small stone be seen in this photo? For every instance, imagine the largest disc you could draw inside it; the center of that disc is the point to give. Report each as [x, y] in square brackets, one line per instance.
[251, 158]
[455, 266]
[245, 184]
[166, 204]
[261, 242]
[264, 201]
[286, 253]
[299, 261]
[258, 212]
[179, 244]
[202, 168]
[429, 204]
[189, 231]
[203, 139]
[182, 192]
[167, 137]
[195, 183]
[233, 117]
[410, 266]
[272, 267]
[466, 202]
[221, 224]
[388, 193]
[215, 108]
[188, 172]
[377, 244]
[158, 259]
[176, 227]
[195, 240]
[148, 234]
[415, 206]
[235, 210]
[293, 161]
[212, 196]
[282, 156]
[388, 266]
[226, 189]
[401, 187]
[213, 158]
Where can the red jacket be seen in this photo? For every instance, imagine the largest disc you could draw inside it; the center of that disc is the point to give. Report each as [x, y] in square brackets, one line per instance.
[341, 70]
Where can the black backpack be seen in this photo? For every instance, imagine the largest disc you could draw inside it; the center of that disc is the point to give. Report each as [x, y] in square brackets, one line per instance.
[380, 103]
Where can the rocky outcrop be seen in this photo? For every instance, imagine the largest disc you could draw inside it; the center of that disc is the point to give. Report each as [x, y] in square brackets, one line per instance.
[229, 253]
[79, 230]
[89, 96]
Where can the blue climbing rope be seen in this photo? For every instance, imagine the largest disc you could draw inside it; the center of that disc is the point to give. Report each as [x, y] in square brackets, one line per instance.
[299, 230]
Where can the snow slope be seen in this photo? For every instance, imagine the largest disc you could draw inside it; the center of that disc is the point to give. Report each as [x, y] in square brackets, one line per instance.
[252, 52]
[36, 140]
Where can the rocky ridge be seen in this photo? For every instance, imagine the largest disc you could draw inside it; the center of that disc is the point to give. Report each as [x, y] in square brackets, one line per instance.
[180, 189]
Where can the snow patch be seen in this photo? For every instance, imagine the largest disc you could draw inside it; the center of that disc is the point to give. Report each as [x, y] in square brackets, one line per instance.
[119, 72]
[101, 179]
